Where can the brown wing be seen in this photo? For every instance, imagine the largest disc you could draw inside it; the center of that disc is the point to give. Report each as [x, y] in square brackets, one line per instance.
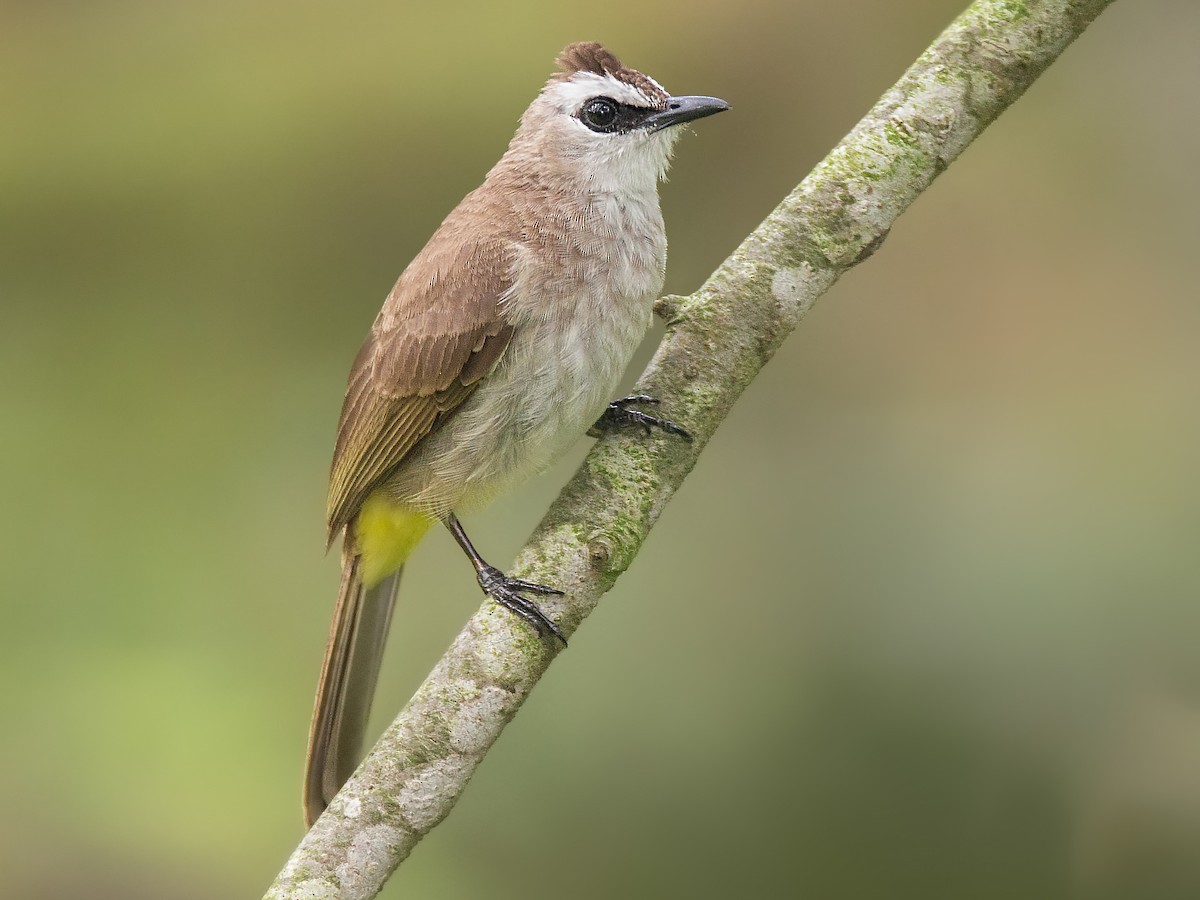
[438, 333]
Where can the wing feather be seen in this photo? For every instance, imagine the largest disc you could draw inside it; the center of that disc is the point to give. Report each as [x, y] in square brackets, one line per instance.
[440, 331]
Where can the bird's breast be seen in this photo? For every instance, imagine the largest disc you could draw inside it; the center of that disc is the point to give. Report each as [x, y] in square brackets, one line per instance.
[581, 301]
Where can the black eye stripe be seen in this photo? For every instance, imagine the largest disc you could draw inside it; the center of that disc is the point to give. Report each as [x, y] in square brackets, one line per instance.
[607, 116]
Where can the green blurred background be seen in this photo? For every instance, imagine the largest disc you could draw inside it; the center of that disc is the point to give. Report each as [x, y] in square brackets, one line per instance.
[922, 623]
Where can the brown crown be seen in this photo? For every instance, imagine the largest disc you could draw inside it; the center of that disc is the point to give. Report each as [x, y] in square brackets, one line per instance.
[589, 56]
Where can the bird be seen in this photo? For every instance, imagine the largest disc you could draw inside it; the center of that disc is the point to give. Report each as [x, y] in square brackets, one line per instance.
[498, 347]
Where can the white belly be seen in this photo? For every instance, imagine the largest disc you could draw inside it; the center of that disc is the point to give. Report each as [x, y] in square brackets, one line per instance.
[550, 386]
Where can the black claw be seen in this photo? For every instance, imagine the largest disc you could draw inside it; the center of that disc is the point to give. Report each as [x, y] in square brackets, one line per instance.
[619, 414]
[518, 585]
[504, 590]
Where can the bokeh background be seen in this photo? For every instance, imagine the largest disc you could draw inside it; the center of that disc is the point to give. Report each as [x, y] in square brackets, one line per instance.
[923, 622]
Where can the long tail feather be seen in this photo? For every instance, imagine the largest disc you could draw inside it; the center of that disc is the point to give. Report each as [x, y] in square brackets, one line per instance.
[348, 676]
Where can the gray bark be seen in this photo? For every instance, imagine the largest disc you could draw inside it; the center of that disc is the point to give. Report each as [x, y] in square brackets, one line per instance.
[716, 342]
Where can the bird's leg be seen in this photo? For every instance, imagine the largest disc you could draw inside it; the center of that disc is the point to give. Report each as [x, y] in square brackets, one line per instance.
[619, 414]
[505, 590]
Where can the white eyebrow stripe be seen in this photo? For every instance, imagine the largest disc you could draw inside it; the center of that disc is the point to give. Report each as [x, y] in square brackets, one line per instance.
[656, 84]
[584, 85]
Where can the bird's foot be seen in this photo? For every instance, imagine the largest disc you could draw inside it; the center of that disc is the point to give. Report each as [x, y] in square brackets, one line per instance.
[619, 414]
[506, 592]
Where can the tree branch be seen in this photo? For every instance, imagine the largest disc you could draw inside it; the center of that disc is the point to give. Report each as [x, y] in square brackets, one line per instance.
[717, 340]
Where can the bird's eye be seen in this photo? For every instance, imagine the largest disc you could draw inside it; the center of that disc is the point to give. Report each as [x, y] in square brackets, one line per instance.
[599, 114]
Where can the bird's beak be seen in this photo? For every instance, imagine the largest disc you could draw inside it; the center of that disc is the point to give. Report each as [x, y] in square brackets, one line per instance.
[684, 109]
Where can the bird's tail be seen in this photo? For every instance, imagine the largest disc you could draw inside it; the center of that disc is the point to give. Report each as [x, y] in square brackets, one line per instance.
[348, 675]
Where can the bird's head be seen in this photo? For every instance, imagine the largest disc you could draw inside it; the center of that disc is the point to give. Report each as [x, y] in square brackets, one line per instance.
[600, 121]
